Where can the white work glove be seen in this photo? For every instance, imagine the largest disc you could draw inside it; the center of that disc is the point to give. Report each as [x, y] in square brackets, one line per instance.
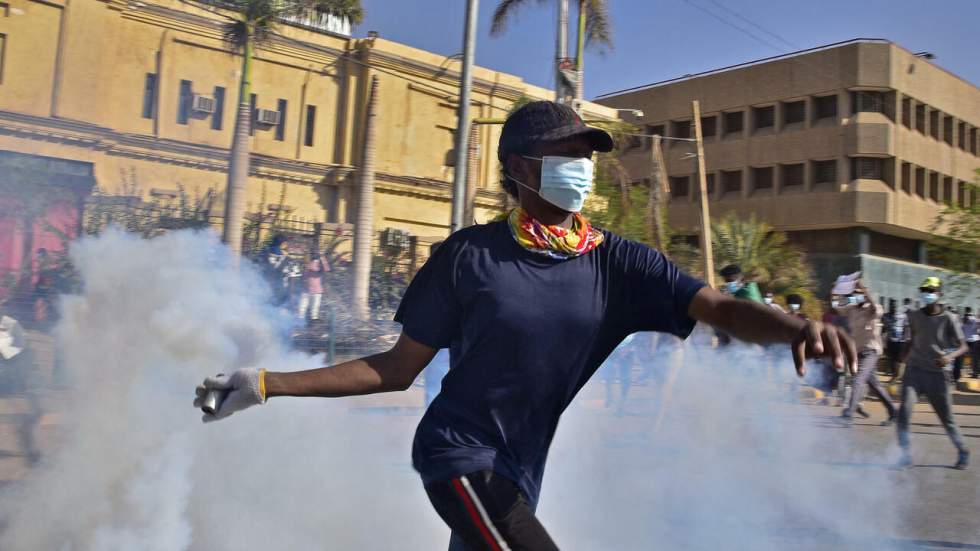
[246, 389]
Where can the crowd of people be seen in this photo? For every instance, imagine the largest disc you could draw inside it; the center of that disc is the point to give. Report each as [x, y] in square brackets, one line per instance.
[295, 285]
[925, 350]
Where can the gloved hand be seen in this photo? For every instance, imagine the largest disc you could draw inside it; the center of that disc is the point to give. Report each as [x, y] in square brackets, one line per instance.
[246, 388]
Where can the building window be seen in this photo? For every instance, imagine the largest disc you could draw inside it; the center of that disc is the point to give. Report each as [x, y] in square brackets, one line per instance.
[907, 112]
[934, 186]
[731, 181]
[792, 175]
[681, 129]
[763, 117]
[310, 127]
[825, 172]
[219, 108]
[679, 186]
[762, 178]
[920, 118]
[948, 130]
[825, 107]
[867, 102]
[149, 95]
[961, 136]
[920, 181]
[281, 127]
[253, 119]
[934, 124]
[961, 194]
[734, 122]
[709, 126]
[184, 102]
[973, 141]
[948, 190]
[866, 168]
[907, 177]
[794, 112]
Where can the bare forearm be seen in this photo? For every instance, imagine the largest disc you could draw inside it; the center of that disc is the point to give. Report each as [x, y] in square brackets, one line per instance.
[963, 349]
[368, 375]
[757, 323]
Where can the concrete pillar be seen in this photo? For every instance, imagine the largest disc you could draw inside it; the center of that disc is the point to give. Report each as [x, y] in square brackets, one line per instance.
[746, 181]
[807, 175]
[807, 112]
[862, 241]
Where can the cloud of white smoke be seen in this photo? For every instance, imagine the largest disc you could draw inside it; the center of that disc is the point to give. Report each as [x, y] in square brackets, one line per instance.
[730, 465]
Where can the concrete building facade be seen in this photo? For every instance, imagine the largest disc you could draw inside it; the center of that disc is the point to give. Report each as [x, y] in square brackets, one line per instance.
[853, 149]
[114, 88]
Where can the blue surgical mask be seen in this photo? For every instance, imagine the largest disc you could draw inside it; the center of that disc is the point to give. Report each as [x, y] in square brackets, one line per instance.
[929, 298]
[565, 181]
[733, 286]
[794, 307]
[856, 298]
[767, 300]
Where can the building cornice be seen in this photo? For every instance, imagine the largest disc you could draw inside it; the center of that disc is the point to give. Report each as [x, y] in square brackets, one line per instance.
[215, 159]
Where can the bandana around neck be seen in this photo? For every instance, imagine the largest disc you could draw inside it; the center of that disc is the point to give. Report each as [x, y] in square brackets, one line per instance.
[553, 241]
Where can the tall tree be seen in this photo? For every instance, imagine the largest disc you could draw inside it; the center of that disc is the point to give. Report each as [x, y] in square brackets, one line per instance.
[594, 28]
[254, 24]
[956, 242]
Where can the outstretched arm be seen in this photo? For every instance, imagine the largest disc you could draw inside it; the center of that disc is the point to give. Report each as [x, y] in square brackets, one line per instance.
[384, 372]
[755, 322]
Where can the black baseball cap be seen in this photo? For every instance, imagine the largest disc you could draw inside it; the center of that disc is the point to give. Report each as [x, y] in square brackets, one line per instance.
[547, 121]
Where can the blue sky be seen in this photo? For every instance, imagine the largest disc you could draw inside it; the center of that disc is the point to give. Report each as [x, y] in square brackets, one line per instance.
[661, 39]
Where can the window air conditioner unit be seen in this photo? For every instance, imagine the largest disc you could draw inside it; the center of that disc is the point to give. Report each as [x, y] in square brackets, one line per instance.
[202, 104]
[267, 117]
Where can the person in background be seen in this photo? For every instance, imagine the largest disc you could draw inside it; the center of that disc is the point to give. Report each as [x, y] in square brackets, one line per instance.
[935, 340]
[971, 332]
[735, 286]
[275, 266]
[795, 303]
[895, 326]
[312, 294]
[862, 313]
[769, 299]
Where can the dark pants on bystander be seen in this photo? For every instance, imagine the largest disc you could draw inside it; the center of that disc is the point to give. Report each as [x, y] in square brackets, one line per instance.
[487, 512]
[893, 350]
[936, 386]
[867, 375]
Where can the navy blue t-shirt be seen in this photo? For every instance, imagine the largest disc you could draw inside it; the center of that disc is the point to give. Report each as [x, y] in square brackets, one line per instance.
[525, 333]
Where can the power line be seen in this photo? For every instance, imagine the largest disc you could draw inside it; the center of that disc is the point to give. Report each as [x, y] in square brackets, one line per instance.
[734, 26]
[754, 24]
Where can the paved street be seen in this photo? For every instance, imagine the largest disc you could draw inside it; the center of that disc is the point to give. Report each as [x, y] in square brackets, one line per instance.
[709, 467]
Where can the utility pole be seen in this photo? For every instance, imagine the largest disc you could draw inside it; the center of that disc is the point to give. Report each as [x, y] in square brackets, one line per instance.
[707, 255]
[658, 193]
[580, 54]
[561, 49]
[463, 115]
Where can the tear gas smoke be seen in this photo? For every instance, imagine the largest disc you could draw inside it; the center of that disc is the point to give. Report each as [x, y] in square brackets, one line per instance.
[730, 464]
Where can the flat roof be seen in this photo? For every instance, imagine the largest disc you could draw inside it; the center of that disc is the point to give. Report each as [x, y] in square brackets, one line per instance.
[746, 64]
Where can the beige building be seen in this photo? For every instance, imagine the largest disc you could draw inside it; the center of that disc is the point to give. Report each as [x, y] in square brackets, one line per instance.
[852, 148]
[138, 98]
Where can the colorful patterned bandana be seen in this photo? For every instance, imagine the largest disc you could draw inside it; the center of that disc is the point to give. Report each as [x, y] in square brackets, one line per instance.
[553, 241]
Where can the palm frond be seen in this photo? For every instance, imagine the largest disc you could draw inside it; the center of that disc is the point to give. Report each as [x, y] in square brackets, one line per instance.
[505, 10]
[598, 24]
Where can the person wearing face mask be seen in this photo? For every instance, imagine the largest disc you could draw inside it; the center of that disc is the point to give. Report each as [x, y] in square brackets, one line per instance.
[735, 286]
[969, 324]
[862, 313]
[770, 301]
[529, 307]
[935, 340]
[971, 332]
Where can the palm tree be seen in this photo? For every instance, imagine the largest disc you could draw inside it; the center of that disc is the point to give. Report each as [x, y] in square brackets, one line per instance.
[253, 25]
[764, 255]
[594, 27]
